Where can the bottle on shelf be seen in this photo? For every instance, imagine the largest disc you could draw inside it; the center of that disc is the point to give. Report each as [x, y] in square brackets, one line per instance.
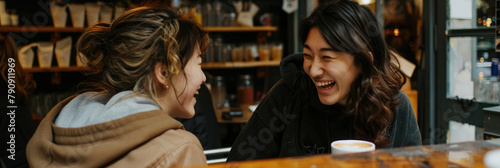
[218, 47]
[245, 90]
[209, 54]
[217, 13]
[207, 18]
[219, 92]
[199, 13]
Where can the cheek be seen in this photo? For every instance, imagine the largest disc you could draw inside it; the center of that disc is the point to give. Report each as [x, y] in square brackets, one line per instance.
[337, 70]
[195, 78]
[199, 75]
[185, 97]
[306, 66]
[353, 75]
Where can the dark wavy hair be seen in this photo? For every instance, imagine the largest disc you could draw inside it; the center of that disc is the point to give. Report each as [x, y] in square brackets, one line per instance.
[353, 29]
[123, 54]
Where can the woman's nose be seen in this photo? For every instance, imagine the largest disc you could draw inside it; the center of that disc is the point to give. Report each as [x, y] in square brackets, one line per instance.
[316, 69]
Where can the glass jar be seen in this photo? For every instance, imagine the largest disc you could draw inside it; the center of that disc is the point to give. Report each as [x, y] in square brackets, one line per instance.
[219, 92]
[209, 54]
[206, 11]
[245, 90]
[218, 53]
[264, 52]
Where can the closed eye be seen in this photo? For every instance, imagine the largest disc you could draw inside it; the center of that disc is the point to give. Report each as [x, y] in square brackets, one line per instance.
[326, 57]
[307, 56]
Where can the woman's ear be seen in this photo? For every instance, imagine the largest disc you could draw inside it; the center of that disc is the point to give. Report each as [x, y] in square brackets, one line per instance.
[161, 73]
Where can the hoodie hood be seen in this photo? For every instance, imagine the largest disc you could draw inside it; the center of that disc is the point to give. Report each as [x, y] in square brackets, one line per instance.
[291, 68]
[94, 145]
[97, 107]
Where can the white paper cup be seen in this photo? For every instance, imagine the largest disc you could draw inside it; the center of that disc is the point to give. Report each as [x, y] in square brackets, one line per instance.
[63, 52]
[59, 15]
[5, 19]
[14, 20]
[277, 51]
[492, 158]
[26, 55]
[45, 51]
[351, 146]
[77, 12]
[2, 7]
[92, 12]
[106, 14]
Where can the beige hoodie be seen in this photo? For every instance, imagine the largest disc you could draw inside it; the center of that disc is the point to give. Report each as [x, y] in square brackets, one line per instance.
[146, 139]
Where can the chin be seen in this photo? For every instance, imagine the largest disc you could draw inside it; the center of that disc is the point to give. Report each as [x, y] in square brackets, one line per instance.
[186, 113]
[189, 113]
[327, 102]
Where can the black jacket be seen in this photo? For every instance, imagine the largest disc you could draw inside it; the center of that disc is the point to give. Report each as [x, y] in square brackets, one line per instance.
[204, 122]
[289, 123]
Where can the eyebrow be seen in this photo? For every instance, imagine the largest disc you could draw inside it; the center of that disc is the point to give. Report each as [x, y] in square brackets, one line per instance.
[322, 49]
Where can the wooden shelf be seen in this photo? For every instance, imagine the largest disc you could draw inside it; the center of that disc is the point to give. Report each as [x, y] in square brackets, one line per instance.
[211, 65]
[41, 29]
[222, 65]
[241, 29]
[247, 113]
[57, 69]
[72, 29]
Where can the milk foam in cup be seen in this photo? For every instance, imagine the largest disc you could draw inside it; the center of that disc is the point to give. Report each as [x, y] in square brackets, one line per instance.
[351, 146]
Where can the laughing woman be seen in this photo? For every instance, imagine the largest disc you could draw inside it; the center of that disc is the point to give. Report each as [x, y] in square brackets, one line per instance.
[148, 66]
[343, 86]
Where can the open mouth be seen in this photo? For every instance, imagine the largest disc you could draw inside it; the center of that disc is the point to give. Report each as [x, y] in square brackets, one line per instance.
[197, 93]
[325, 85]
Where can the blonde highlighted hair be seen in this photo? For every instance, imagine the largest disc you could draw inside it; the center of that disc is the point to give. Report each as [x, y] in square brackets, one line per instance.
[123, 54]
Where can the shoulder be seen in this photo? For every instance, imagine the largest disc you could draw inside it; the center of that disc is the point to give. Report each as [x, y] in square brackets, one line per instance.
[405, 128]
[291, 69]
[173, 148]
[405, 105]
[402, 97]
[174, 138]
[279, 95]
[281, 105]
[183, 148]
[281, 88]
[404, 111]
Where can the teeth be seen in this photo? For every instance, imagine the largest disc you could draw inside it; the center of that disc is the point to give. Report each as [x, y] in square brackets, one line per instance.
[324, 83]
[197, 92]
[326, 87]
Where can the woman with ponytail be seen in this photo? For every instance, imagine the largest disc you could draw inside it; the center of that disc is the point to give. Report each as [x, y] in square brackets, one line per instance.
[145, 70]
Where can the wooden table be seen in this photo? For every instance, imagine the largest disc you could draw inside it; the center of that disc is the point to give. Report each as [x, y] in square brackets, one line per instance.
[242, 119]
[467, 154]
